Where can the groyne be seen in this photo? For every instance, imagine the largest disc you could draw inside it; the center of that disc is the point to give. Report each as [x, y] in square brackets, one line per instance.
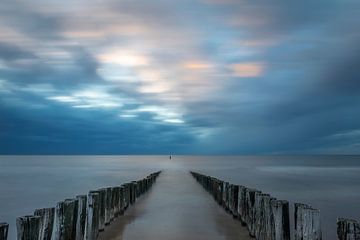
[267, 218]
[82, 217]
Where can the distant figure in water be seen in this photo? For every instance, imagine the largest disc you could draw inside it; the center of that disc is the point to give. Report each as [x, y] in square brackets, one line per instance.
[170, 156]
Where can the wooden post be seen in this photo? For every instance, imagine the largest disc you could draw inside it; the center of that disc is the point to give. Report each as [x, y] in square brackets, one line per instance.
[4, 229]
[147, 183]
[102, 207]
[250, 209]
[220, 193]
[280, 219]
[144, 189]
[224, 197]
[92, 220]
[242, 204]
[230, 198]
[307, 223]
[122, 200]
[138, 188]
[133, 192]
[234, 200]
[126, 195]
[47, 216]
[228, 193]
[348, 229]
[108, 206]
[65, 219]
[263, 217]
[28, 227]
[117, 202]
[81, 217]
[113, 203]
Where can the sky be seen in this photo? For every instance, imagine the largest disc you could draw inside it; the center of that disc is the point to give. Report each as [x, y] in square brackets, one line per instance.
[180, 77]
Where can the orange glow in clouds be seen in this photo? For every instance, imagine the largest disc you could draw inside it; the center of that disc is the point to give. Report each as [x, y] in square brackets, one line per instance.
[124, 57]
[197, 65]
[249, 69]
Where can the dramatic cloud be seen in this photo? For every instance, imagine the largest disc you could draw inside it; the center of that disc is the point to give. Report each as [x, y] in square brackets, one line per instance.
[206, 76]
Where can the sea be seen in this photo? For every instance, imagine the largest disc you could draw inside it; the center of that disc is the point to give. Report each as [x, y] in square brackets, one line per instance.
[328, 183]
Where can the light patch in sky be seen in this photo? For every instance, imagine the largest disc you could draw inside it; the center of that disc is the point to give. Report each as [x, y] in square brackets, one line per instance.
[174, 120]
[161, 113]
[64, 99]
[124, 57]
[248, 69]
[90, 98]
[127, 115]
[197, 65]
[157, 87]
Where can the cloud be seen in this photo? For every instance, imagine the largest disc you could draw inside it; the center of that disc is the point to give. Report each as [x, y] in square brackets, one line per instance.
[248, 69]
[90, 98]
[123, 58]
[10, 52]
[146, 77]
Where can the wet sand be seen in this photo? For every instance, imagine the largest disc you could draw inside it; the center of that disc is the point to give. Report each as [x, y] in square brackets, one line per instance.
[176, 208]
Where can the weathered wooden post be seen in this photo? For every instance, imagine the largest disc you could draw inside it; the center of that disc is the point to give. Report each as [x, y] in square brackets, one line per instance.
[113, 203]
[47, 216]
[4, 229]
[108, 206]
[234, 200]
[133, 192]
[224, 197]
[65, 219]
[143, 186]
[348, 229]
[263, 217]
[280, 219]
[28, 227]
[122, 200]
[116, 201]
[92, 220]
[148, 180]
[307, 223]
[81, 217]
[138, 188]
[102, 207]
[220, 193]
[242, 204]
[126, 196]
[228, 196]
[259, 228]
[250, 209]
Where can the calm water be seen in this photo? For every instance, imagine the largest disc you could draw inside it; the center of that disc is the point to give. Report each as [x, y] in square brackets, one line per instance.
[330, 183]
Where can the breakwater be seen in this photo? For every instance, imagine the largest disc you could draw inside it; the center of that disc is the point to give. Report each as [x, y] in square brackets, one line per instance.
[267, 218]
[82, 217]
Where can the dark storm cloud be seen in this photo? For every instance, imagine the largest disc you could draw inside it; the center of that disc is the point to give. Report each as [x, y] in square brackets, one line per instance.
[10, 52]
[80, 133]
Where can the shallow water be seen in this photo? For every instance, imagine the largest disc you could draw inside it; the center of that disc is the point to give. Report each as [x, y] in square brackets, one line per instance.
[330, 183]
[176, 208]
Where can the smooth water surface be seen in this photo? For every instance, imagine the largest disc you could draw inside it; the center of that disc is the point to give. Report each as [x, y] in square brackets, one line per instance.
[330, 183]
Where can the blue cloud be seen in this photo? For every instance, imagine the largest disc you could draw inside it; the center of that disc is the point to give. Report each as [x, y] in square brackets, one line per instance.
[207, 76]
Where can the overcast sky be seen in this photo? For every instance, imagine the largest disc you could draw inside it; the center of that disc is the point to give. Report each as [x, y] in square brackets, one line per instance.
[179, 76]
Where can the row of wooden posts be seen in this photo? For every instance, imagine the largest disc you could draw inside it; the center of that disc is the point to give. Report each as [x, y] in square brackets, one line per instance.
[267, 218]
[80, 218]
